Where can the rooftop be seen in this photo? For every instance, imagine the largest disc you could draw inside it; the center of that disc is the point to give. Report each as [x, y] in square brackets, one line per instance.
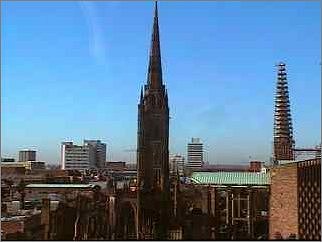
[231, 178]
[80, 186]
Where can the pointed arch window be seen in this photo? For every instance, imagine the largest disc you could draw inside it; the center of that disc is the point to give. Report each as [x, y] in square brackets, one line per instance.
[157, 176]
[153, 101]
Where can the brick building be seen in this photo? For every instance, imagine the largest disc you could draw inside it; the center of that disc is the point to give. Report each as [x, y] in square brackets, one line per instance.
[23, 227]
[295, 200]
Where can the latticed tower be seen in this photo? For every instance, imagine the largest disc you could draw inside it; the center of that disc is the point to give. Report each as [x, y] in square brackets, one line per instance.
[283, 130]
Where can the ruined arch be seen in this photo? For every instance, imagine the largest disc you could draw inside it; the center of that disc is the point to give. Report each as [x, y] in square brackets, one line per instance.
[127, 220]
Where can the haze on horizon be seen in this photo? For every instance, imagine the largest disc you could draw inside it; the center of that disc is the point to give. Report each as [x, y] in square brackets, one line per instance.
[73, 71]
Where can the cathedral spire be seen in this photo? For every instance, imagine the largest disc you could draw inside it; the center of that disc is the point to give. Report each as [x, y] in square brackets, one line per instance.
[141, 96]
[154, 203]
[155, 69]
[283, 130]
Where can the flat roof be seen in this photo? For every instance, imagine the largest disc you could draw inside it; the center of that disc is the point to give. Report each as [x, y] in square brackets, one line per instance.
[231, 178]
[79, 186]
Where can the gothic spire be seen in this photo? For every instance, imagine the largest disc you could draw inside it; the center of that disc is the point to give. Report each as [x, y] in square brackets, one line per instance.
[155, 69]
[283, 130]
[141, 96]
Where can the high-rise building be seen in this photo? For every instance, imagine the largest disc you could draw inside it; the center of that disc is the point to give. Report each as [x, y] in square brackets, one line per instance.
[27, 155]
[153, 149]
[283, 130]
[195, 153]
[100, 148]
[77, 157]
[177, 164]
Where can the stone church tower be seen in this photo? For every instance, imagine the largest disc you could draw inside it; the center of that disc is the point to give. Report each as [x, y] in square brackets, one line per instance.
[153, 148]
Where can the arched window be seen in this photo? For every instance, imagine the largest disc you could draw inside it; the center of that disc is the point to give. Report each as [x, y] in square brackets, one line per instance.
[153, 101]
[160, 103]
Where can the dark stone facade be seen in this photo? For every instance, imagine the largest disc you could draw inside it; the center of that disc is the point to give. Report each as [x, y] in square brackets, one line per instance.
[153, 153]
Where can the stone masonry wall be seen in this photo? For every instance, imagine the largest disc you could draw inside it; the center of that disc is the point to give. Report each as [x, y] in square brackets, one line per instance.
[283, 204]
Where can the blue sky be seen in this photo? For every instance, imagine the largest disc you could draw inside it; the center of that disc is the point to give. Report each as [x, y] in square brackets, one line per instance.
[73, 70]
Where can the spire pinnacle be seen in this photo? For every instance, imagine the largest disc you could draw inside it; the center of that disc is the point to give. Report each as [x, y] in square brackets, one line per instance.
[141, 96]
[156, 10]
[155, 69]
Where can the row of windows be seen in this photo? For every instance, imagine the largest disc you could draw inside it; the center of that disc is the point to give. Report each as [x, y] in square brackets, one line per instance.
[72, 154]
[77, 162]
[71, 149]
[76, 158]
[76, 165]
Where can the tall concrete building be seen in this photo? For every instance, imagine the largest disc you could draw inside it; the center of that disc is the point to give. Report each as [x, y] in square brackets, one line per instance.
[100, 152]
[27, 155]
[283, 130]
[177, 164]
[77, 157]
[153, 149]
[195, 153]
[92, 154]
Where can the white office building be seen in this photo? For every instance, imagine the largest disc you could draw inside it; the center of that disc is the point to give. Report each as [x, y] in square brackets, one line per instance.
[77, 157]
[195, 153]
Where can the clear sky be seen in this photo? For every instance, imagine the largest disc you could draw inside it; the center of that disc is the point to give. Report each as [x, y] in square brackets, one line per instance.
[73, 70]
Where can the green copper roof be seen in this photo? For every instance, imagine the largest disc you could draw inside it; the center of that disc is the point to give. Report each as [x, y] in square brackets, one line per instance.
[231, 178]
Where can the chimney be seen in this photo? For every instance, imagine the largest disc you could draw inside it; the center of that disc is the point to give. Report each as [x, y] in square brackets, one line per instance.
[255, 166]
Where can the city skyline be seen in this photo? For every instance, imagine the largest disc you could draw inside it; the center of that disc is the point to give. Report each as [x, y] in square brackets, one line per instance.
[221, 105]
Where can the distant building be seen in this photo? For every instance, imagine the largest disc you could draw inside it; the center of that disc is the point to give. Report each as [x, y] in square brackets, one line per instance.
[177, 164]
[77, 157]
[40, 190]
[253, 166]
[27, 155]
[7, 160]
[100, 150]
[115, 165]
[23, 227]
[12, 170]
[195, 153]
[28, 165]
[131, 166]
[35, 165]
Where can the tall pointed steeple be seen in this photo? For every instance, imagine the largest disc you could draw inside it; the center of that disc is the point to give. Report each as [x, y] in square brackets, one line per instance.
[155, 68]
[283, 130]
[153, 149]
[141, 96]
